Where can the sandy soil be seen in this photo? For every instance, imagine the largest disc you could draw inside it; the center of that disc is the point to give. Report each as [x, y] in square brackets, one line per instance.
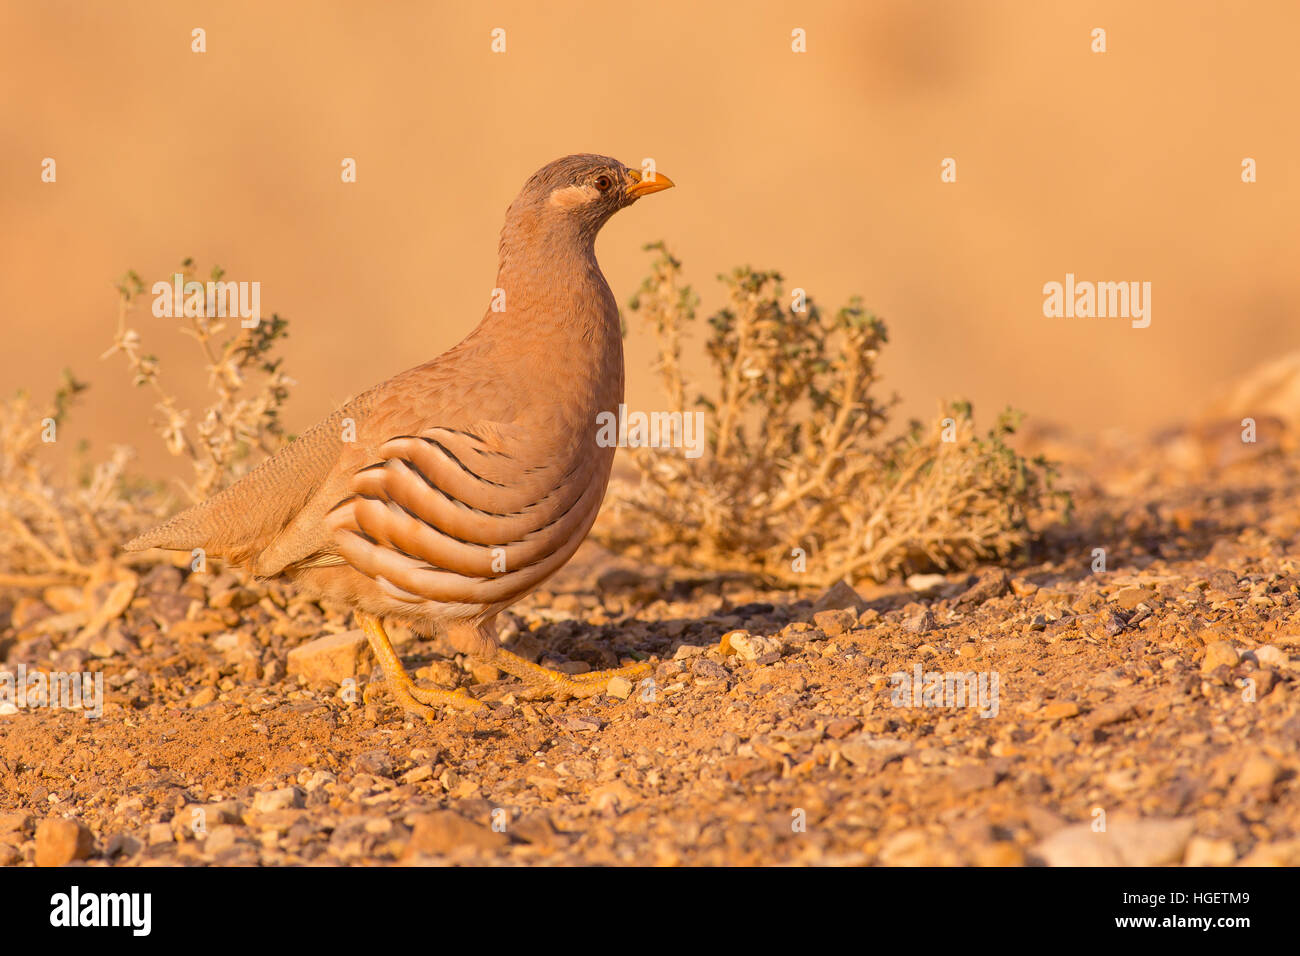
[1144, 714]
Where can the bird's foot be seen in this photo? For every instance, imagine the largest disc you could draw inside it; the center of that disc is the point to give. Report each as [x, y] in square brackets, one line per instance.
[560, 684]
[417, 701]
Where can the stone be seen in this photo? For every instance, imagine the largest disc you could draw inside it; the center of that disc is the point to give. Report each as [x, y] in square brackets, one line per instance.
[1258, 773]
[1059, 710]
[1270, 656]
[619, 687]
[839, 595]
[222, 838]
[836, 622]
[443, 831]
[1130, 598]
[991, 584]
[749, 647]
[1219, 654]
[418, 774]
[285, 798]
[331, 659]
[925, 582]
[59, 842]
[1203, 851]
[1147, 842]
[203, 697]
[919, 621]
[973, 778]
[377, 763]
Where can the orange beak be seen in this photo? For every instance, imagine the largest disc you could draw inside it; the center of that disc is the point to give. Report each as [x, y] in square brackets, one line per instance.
[644, 187]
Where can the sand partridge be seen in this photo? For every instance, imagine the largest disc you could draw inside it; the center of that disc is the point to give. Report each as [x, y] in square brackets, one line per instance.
[450, 491]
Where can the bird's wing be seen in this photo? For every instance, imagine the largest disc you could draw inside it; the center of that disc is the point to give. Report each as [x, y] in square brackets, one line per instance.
[244, 519]
[472, 514]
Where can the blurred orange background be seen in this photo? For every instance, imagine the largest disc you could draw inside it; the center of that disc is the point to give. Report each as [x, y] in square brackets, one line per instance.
[1117, 166]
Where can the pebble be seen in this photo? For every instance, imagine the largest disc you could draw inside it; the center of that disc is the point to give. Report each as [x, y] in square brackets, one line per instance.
[443, 831]
[1059, 710]
[330, 659]
[1219, 654]
[1203, 851]
[222, 838]
[59, 842]
[834, 623]
[839, 595]
[924, 582]
[1148, 842]
[203, 697]
[1274, 657]
[619, 687]
[285, 798]
[1130, 598]
[1258, 773]
[920, 621]
[749, 647]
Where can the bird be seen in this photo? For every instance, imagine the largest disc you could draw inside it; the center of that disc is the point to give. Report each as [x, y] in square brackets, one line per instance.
[440, 497]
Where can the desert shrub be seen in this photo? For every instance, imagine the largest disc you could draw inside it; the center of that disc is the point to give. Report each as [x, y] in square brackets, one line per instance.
[55, 532]
[797, 485]
[58, 527]
[243, 373]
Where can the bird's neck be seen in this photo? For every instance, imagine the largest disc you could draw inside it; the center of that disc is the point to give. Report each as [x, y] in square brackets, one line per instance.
[549, 284]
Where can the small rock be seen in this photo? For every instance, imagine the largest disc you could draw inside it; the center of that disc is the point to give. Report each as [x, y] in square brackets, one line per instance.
[581, 724]
[1130, 598]
[973, 778]
[1112, 623]
[1270, 656]
[15, 822]
[222, 838]
[839, 595]
[1059, 710]
[749, 647]
[204, 697]
[991, 584]
[418, 774]
[707, 671]
[377, 763]
[331, 659]
[834, 623]
[1258, 773]
[59, 842]
[285, 798]
[160, 833]
[1202, 851]
[1149, 842]
[920, 621]
[619, 687]
[484, 672]
[537, 829]
[924, 582]
[841, 727]
[1219, 654]
[444, 831]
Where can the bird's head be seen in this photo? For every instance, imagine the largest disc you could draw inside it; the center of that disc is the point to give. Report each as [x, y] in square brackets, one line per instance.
[583, 191]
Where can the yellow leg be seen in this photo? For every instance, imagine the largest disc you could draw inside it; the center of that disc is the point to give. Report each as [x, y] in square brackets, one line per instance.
[561, 684]
[414, 700]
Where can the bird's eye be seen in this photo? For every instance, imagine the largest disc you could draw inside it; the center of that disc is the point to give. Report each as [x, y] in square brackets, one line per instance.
[603, 183]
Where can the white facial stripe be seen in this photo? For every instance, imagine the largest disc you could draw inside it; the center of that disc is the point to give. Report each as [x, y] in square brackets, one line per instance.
[573, 196]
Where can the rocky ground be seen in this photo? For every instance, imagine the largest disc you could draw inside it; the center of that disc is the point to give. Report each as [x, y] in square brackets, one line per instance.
[1147, 713]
